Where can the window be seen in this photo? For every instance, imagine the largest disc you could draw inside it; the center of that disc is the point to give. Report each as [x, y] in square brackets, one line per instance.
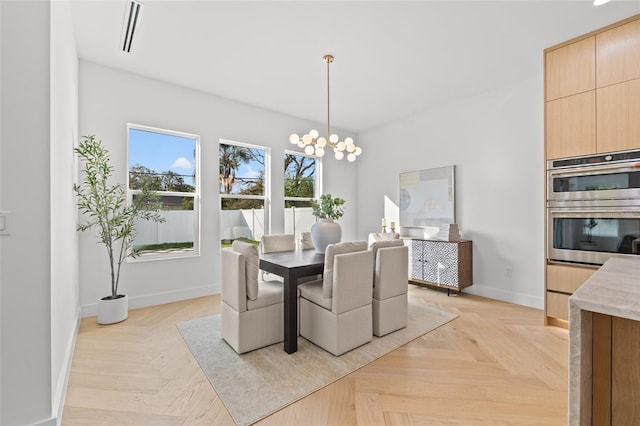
[168, 162]
[301, 185]
[243, 191]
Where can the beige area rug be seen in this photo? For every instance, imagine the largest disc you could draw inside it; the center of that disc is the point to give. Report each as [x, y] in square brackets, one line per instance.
[258, 383]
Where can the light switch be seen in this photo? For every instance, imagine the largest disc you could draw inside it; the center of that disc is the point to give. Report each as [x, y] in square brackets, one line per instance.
[4, 223]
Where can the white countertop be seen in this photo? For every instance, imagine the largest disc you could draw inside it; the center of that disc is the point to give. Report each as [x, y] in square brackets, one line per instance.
[614, 289]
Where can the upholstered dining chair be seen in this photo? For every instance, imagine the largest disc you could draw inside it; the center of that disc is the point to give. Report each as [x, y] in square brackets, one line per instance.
[252, 310]
[276, 243]
[335, 312]
[382, 236]
[305, 241]
[390, 285]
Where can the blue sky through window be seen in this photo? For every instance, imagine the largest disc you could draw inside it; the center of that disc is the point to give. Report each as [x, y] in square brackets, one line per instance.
[162, 152]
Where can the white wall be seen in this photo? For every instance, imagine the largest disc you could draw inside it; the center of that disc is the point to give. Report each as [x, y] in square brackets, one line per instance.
[25, 283]
[496, 143]
[65, 298]
[110, 98]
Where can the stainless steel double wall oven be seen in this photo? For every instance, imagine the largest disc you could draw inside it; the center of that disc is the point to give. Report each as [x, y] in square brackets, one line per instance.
[593, 208]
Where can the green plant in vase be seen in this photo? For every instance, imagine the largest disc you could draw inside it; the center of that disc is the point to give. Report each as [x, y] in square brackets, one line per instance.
[328, 207]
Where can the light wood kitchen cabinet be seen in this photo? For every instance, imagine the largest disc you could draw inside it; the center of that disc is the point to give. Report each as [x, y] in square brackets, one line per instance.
[618, 54]
[562, 281]
[570, 69]
[618, 106]
[571, 126]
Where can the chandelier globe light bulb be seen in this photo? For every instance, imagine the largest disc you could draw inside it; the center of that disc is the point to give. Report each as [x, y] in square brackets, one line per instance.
[319, 151]
[294, 138]
[339, 155]
[351, 157]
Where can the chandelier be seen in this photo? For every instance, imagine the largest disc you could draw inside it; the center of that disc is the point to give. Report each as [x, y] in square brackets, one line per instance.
[313, 144]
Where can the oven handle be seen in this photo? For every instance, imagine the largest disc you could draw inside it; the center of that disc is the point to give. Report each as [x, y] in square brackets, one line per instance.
[594, 169]
[592, 212]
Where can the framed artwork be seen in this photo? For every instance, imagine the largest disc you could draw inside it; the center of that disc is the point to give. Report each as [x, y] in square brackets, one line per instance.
[427, 197]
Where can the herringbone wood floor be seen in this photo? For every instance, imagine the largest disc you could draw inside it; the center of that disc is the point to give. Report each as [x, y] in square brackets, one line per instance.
[494, 365]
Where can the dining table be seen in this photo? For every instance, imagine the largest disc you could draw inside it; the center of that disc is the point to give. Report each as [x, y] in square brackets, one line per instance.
[291, 266]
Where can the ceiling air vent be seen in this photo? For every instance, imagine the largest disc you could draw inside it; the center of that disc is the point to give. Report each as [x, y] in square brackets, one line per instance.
[132, 15]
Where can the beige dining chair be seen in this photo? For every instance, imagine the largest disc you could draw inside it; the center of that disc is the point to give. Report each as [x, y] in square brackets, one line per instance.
[335, 312]
[276, 243]
[390, 285]
[252, 310]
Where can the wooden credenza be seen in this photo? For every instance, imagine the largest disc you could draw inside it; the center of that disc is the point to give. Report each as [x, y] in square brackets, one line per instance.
[447, 264]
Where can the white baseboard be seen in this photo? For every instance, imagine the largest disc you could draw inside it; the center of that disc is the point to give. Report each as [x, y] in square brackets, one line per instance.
[51, 421]
[506, 296]
[63, 380]
[145, 300]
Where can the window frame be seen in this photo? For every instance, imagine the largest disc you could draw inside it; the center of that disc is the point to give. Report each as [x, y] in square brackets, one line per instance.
[266, 198]
[317, 186]
[196, 195]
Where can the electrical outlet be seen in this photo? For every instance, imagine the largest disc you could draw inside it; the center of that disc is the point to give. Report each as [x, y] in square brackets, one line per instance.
[508, 272]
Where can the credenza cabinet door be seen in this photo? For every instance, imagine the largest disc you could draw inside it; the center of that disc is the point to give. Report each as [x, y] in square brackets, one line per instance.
[570, 69]
[441, 263]
[416, 259]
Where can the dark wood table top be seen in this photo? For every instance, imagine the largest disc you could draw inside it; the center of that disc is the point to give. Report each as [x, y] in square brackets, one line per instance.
[291, 259]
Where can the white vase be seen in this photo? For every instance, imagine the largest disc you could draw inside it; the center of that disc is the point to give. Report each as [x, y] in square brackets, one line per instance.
[325, 232]
[111, 311]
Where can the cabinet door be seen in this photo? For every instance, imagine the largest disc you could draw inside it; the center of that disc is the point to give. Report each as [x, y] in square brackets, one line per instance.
[618, 126]
[618, 54]
[567, 279]
[571, 126]
[441, 263]
[570, 69]
[416, 259]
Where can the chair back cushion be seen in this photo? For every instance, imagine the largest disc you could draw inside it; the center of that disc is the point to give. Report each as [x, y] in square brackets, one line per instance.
[276, 243]
[382, 236]
[391, 272]
[252, 263]
[233, 288]
[383, 244]
[352, 281]
[305, 241]
[331, 251]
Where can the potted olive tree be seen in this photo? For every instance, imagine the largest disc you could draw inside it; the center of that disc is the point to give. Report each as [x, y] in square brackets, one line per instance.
[325, 231]
[105, 208]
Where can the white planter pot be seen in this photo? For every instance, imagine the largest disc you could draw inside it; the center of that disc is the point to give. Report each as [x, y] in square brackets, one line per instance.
[111, 311]
[325, 232]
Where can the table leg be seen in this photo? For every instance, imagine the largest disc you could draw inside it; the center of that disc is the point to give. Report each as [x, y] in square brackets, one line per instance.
[290, 312]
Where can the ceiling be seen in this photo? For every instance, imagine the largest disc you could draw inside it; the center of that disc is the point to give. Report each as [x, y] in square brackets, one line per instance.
[392, 58]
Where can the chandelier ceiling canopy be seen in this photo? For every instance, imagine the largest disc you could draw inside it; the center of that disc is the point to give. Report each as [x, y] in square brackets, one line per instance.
[313, 143]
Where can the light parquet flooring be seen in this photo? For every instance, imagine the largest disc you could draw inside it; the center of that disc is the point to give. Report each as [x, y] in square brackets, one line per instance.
[496, 364]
